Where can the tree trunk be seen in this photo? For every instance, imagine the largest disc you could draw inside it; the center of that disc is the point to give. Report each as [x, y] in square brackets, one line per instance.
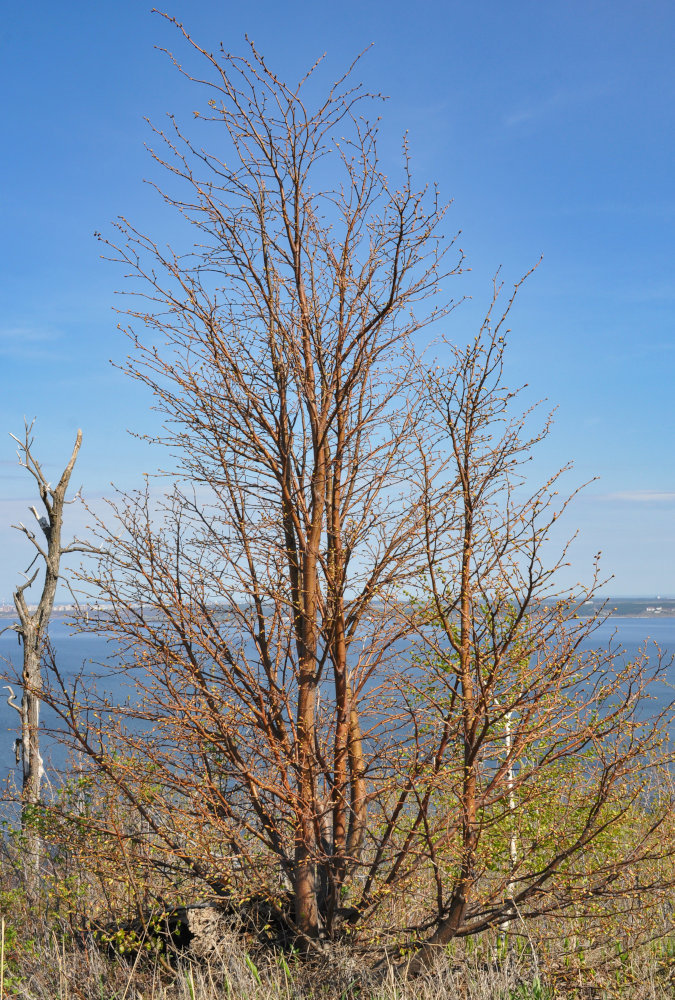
[32, 769]
[32, 628]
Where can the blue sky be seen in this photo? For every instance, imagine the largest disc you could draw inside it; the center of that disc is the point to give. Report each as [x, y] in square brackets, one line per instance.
[550, 125]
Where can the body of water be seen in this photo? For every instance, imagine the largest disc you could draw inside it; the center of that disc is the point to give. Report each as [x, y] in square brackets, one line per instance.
[75, 652]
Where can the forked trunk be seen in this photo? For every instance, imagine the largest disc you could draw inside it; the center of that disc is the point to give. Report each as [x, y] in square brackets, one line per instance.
[32, 628]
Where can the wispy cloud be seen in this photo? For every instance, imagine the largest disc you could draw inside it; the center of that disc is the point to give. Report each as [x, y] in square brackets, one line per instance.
[28, 341]
[663, 291]
[639, 496]
[653, 210]
[559, 100]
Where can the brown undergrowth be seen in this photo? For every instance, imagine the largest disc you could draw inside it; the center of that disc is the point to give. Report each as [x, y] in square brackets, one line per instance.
[46, 967]
[82, 936]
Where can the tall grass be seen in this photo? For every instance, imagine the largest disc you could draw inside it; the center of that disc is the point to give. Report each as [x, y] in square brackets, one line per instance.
[42, 963]
[46, 952]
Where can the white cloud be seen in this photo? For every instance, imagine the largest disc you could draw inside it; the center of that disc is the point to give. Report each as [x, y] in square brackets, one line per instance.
[640, 496]
[557, 101]
[27, 334]
[28, 341]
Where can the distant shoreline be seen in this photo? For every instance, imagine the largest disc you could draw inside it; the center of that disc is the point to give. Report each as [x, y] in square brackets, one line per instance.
[644, 614]
[613, 607]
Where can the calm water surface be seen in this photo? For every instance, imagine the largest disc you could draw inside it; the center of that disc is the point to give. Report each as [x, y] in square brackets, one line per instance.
[76, 652]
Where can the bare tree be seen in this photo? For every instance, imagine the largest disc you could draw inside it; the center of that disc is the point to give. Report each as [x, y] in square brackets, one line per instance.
[554, 743]
[353, 679]
[33, 624]
[281, 374]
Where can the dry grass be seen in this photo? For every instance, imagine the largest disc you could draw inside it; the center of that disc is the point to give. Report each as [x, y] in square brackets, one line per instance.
[44, 958]
[46, 967]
